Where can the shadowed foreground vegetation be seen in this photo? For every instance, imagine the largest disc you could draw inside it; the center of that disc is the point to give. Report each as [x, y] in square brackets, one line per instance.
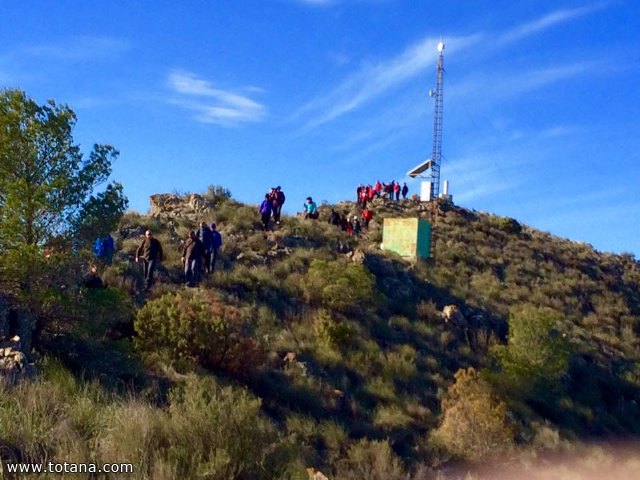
[308, 348]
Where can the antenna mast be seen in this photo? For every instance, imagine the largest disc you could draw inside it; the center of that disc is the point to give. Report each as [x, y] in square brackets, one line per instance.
[436, 153]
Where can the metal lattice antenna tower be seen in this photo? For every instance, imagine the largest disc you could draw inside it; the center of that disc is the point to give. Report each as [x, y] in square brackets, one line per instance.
[436, 153]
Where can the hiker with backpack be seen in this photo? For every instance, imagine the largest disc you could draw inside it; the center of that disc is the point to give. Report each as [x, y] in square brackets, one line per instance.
[192, 253]
[205, 237]
[266, 208]
[150, 252]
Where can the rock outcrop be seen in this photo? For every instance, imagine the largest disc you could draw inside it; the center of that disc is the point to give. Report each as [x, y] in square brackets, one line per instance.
[14, 364]
[167, 205]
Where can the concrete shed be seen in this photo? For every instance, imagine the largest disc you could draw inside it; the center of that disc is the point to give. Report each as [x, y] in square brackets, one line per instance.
[408, 237]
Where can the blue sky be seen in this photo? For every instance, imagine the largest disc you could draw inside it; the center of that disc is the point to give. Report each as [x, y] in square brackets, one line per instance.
[541, 98]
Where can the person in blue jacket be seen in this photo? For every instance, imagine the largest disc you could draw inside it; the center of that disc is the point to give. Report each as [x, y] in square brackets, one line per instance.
[104, 248]
[266, 207]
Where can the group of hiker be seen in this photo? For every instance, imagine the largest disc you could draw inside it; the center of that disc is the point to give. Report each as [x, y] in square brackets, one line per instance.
[200, 249]
[390, 191]
[351, 226]
[199, 254]
[271, 206]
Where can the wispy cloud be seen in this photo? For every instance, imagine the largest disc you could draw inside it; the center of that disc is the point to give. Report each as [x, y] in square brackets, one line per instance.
[377, 78]
[80, 48]
[373, 80]
[212, 105]
[559, 131]
[507, 85]
[545, 22]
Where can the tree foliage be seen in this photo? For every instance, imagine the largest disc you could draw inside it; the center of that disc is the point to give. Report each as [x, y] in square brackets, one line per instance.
[101, 213]
[45, 180]
[334, 284]
[199, 329]
[536, 353]
[474, 424]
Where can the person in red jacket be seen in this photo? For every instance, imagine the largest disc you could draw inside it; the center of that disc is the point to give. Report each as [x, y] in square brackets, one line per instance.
[366, 215]
[396, 190]
[378, 188]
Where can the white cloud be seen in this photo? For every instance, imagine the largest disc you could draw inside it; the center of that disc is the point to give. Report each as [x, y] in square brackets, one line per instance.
[559, 131]
[547, 21]
[373, 80]
[213, 105]
[80, 48]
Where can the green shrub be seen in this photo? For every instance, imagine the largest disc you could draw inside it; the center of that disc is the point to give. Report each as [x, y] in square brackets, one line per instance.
[505, 224]
[381, 388]
[199, 329]
[206, 432]
[218, 194]
[536, 353]
[337, 285]
[330, 332]
[474, 422]
[104, 308]
[400, 364]
[390, 417]
[370, 459]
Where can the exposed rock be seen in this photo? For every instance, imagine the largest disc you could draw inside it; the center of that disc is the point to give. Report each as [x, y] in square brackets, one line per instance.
[277, 252]
[172, 205]
[291, 364]
[289, 357]
[131, 231]
[357, 256]
[452, 313]
[163, 202]
[316, 474]
[196, 202]
[14, 364]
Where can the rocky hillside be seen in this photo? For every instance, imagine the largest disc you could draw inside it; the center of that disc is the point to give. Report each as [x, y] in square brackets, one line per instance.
[513, 341]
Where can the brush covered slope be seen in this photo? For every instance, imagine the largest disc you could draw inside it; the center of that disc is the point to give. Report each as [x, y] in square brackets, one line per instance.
[309, 350]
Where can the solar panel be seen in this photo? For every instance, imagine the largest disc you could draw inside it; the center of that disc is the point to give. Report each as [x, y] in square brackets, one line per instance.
[416, 171]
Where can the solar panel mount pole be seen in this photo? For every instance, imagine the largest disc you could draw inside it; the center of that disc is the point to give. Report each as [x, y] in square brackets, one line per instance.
[436, 153]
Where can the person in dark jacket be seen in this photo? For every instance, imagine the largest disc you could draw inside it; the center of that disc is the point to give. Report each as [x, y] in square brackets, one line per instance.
[334, 218]
[150, 252]
[266, 207]
[357, 228]
[277, 204]
[216, 243]
[405, 190]
[205, 237]
[191, 257]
